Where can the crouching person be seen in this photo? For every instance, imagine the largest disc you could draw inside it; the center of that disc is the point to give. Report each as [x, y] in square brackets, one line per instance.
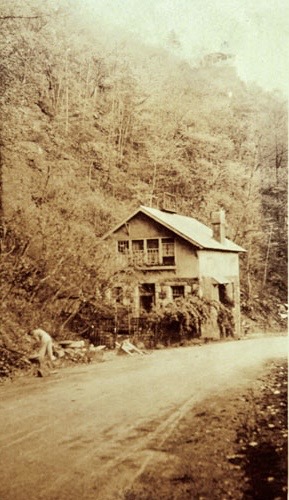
[45, 343]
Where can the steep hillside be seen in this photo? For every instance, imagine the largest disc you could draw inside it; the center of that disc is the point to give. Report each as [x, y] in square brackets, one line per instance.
[94, 125]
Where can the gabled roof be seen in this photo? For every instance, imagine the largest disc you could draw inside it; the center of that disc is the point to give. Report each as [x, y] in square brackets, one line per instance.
[186, 227]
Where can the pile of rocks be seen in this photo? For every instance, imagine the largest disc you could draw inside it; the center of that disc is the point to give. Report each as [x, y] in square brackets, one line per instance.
[78, 351]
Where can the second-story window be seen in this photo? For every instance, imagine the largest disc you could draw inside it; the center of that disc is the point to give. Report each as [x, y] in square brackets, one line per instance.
[168, 245]
[150, 251]
[138, 251]
[153, 252]
[123, 246]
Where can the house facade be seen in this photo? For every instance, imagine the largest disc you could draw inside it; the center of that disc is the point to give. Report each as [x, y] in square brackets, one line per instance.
[177, 256]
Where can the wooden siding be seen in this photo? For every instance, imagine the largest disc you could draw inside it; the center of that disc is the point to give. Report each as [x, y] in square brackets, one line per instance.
[141, 227]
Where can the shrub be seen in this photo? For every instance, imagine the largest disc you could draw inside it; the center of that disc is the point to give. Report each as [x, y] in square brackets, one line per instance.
[178, 320]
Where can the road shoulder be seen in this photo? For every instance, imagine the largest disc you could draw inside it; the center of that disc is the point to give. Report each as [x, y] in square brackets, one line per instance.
[231, 446]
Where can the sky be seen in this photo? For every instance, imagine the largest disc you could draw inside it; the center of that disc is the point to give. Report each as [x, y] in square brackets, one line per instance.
[255, 31]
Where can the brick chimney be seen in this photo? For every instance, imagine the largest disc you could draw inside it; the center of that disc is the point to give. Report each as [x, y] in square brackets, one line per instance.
[169, 203]
[218, 220]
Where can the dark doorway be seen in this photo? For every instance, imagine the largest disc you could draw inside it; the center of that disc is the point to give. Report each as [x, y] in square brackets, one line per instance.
[226, 294]
[222, 294]
[147, 296]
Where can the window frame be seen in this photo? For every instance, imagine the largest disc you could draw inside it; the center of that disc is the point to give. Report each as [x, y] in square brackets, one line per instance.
[178, 296]
[151, 252]
[125, 245]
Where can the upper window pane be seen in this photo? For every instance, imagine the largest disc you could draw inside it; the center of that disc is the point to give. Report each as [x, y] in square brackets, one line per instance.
[153, 243]
[137, 245]
[168, 245]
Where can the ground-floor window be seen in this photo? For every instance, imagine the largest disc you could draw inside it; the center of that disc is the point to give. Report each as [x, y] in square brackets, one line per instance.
[118, 294]
[178, 291]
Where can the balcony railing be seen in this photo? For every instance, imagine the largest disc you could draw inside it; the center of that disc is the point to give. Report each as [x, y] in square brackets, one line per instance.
[149, 258]
[138, 257]
[149, 253]
[153, 257]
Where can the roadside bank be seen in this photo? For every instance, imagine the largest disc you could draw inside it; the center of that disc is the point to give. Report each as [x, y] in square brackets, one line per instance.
[232, 446]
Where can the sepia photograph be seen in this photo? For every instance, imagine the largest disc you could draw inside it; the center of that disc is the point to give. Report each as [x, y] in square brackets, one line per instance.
[144, 249]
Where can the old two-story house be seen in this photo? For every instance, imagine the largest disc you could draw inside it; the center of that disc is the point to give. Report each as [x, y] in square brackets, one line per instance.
[176, 256]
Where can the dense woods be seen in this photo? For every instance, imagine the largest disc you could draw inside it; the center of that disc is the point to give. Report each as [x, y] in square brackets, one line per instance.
[96, 123]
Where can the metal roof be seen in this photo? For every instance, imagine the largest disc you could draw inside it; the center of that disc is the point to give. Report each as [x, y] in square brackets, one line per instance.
[186, 227]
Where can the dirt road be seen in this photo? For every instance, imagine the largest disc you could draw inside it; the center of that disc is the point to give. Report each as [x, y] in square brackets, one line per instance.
[89, 432]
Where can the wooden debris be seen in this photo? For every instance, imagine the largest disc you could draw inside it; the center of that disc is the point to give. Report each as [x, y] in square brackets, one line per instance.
[97, 348]
[128, 348]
